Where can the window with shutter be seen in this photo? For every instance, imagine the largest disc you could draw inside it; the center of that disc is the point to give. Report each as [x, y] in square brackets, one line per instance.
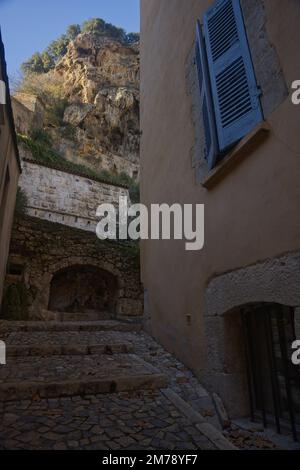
[212, 150]
[234, 89]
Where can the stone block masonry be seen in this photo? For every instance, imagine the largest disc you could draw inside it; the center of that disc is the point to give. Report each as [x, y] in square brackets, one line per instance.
[53, 262]
[66, 198]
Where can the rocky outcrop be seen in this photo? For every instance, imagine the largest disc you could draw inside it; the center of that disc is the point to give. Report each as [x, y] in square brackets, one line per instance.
[101, 79]
[100, 122]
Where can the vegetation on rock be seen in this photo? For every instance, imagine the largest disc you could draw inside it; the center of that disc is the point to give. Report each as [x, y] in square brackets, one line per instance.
[43, 62]
[16, 302]
[90, 114]
[41, 148]
[21, 202]
[49, 88]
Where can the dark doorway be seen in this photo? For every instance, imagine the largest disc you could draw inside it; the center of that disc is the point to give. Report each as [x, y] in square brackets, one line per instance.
[274, 382]
[83, 289]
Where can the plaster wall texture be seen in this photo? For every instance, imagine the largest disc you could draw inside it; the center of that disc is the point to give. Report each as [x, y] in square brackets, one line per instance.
[9, 175]
[251, 215]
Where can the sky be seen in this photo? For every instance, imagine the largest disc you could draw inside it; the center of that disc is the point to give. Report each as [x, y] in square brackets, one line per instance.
[29, 26]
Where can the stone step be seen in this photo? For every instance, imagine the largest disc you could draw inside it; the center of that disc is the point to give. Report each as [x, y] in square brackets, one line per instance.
[65, 376]
[69, 349]
[39, 343]
[74, 317]
[7, 327]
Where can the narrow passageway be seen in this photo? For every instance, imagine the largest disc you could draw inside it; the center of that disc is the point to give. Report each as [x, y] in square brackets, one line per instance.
[99, 385]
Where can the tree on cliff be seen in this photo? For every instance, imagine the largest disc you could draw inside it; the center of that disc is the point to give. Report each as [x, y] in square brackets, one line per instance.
[45, 61]
[101, 28]
[34, 64]
[58, 48]
[73, 31]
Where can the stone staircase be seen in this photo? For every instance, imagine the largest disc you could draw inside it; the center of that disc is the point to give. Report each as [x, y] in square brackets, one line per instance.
[60, 359]
[99, 385]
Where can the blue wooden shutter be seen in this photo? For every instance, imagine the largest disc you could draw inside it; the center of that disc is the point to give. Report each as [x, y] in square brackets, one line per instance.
[234, 88]
[212, 149]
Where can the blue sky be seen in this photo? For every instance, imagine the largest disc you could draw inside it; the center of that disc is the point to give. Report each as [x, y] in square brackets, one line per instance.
[29, 25]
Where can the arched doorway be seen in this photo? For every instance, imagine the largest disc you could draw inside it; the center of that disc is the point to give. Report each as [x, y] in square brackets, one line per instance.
[83, 289]
[273, 380]
[256, 357]
[267, 292]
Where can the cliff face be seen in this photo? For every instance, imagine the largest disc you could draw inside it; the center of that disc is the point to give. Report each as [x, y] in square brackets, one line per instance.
[100, 79]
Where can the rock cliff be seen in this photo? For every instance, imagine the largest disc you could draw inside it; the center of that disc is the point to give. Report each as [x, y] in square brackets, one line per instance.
[99, 124]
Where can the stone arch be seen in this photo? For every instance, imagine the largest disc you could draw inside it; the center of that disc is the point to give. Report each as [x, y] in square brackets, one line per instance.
[275, 283]
[42, 300]
[83, 289]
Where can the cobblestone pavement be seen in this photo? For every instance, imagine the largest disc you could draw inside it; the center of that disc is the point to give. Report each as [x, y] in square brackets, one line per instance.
[132, 421]
[142, 419]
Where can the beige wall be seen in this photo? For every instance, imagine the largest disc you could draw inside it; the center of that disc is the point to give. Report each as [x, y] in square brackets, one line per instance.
[251, 215]
[8, 166]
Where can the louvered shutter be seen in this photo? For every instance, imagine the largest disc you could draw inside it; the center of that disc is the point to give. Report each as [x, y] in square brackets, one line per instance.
[234, 88]
[206, 100]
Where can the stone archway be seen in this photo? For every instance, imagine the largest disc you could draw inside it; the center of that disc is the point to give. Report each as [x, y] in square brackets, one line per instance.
[39, 308]
[49, 248]
[83, 289]
[273, 282]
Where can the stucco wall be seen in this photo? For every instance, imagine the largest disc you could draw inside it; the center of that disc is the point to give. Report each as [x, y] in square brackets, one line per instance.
[9, 171]
[251, 215]
[66, 198]
[7, 204]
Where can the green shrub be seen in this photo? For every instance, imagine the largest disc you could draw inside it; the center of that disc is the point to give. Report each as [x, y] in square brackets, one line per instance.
[55, 112]
[21, 202]
[50, 89]
[73, 31]
[134, 191]
[41, 136]
[47, 59]
[42, 151]
[16, 301]
[69, 131]
[33, 65]
[58, 48]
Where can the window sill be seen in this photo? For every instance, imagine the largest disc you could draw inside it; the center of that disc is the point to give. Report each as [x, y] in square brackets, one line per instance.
[245, 147]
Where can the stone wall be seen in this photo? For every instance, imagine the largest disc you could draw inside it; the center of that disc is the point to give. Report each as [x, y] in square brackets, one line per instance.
[65, 198]
[41, 249]
[28, 112]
